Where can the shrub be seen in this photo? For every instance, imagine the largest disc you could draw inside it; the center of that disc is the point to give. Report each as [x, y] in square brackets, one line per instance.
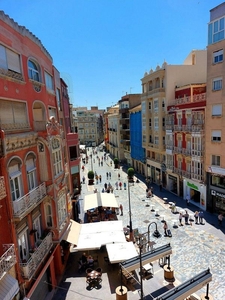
[130, 172]
[91, 175]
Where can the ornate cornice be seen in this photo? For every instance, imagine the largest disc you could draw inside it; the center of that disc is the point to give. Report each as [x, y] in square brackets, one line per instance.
[15, 142]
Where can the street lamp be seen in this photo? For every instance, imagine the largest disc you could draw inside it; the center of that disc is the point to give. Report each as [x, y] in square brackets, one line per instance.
[131, 229]
[140, 246]
[156, 232]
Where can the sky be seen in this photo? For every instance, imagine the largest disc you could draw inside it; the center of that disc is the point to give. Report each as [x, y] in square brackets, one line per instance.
[102, 48]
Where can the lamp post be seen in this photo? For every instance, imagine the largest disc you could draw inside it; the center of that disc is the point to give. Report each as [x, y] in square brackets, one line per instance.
[156, 232]
[140, 246]
[130, 225]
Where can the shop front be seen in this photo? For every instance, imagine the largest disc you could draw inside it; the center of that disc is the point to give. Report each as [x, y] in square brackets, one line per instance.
[172, 184]
[195, 193]
[218, 201]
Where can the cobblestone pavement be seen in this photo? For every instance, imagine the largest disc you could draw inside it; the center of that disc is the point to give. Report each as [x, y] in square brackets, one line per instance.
[195, 247]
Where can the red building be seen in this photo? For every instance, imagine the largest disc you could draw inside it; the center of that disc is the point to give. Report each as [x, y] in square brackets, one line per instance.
[185, 141]
[35, 164]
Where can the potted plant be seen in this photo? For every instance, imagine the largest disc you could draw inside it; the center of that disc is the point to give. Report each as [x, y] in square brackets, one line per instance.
[91, 176]
[130, 173]
[116, 163]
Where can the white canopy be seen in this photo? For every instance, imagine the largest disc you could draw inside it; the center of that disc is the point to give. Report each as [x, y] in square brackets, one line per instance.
[100, 199]
[119, 252]
[94, 235]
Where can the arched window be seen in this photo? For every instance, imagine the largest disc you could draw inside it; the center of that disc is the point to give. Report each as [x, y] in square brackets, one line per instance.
[15, 179]
[33, 71]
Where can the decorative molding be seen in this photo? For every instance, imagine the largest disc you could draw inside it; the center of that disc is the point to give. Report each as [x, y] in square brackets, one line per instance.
[15, 142]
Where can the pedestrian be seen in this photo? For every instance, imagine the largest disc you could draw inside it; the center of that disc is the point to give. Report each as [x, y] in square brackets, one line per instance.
[201, 217]
[125, 185]
[180, 219]
[186, 216]
[96, 178]
[83, 179]
[107, 175]
[119, 176]
[111, 163]
[187, 200]
[105, 186]
[220, 219]
[100, 178]
[165, 227]
[120, 185]
[101, 163]
[196, 217]
[82, 168]
[116, 184]
[160, 186]
[152, 191]
[121, 209]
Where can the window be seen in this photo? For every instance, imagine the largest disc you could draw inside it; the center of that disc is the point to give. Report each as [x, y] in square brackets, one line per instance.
[73, 152]
[216, 31]
[49, 81]
[156, 141]
[156, 123]
[9, 60]
[58, 97]
[217, 84]
[217, 110]
[48, 215]
[217, 56]
[156, 105]
[52, 112]
[57, 157]
[15, 179]
[150, 123]
[13, 115]
[215, 160]
[33, 71]
[23, 245]
[62, 208]
[37, 228]
[31, 173]
[150, 105]
[216, 135]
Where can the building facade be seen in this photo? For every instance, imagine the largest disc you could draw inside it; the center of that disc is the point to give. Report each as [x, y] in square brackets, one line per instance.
[33, 162]
[215, 109]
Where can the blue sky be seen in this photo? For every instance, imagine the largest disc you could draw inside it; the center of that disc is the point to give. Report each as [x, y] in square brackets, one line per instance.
[102, 48]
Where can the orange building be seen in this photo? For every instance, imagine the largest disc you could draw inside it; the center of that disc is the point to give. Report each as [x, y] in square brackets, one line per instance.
[35, 165]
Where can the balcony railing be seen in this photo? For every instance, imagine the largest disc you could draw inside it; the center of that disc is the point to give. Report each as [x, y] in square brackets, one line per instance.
[8, 259]
[186, 152]
[187, 128]
[169, 147]
[197, 153]
[178, 171]
[21, 205]
[178, 149]
[40, 125]
[197, 128]
[186, 174]
[178, 127]
[197, 176]
[28, 269]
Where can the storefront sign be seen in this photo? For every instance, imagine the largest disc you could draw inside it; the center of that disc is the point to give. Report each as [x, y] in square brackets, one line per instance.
[192, 186]
[172, 177]
[217, 194]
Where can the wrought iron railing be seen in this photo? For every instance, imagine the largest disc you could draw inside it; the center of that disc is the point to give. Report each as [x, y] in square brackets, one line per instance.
[8, 259]
[25, 202]
[28, 269]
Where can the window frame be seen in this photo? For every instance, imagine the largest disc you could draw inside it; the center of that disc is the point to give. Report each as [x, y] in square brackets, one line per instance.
[216, 136]
[215, 108]
[218, 54]
[215, 160]
[217, 84]
[34, 72]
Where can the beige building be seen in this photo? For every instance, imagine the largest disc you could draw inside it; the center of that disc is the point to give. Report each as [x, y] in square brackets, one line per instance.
[113, 132]
[215, 110]
[158, 91]
[89, 124]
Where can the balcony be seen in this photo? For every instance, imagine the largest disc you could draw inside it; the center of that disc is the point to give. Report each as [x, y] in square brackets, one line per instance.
[169, 147]
[178, 171]
[197, 128]
[26, 203]
[198, 153]
[169, 166]
[197, 176]
[8, 259]
[29, 268]
[187, 128]
[177, 127]
[186, 174]
[186, 152]
[178, 150]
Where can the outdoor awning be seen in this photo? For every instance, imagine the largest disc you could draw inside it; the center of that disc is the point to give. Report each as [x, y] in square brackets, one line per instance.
[73, 233]
[100, 199]
[109, 200]
[9, 287]
[119, 252]
[92, 236]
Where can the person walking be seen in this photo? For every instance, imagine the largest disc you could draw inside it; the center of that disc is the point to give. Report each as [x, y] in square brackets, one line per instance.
[116, 184]
[196, 217]
[186, 216]
[119, 176]
[121, 209]
[165, 227]
[201, 217]
[220, 219]
[105, 186]
[120, 185]
[180, 219]
[107, 175]
[125, 185]
[100, 178]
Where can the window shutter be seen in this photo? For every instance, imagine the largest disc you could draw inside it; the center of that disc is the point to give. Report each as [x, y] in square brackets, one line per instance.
[6, 112]
[13, 61]
[217, 110]
[20, 113]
